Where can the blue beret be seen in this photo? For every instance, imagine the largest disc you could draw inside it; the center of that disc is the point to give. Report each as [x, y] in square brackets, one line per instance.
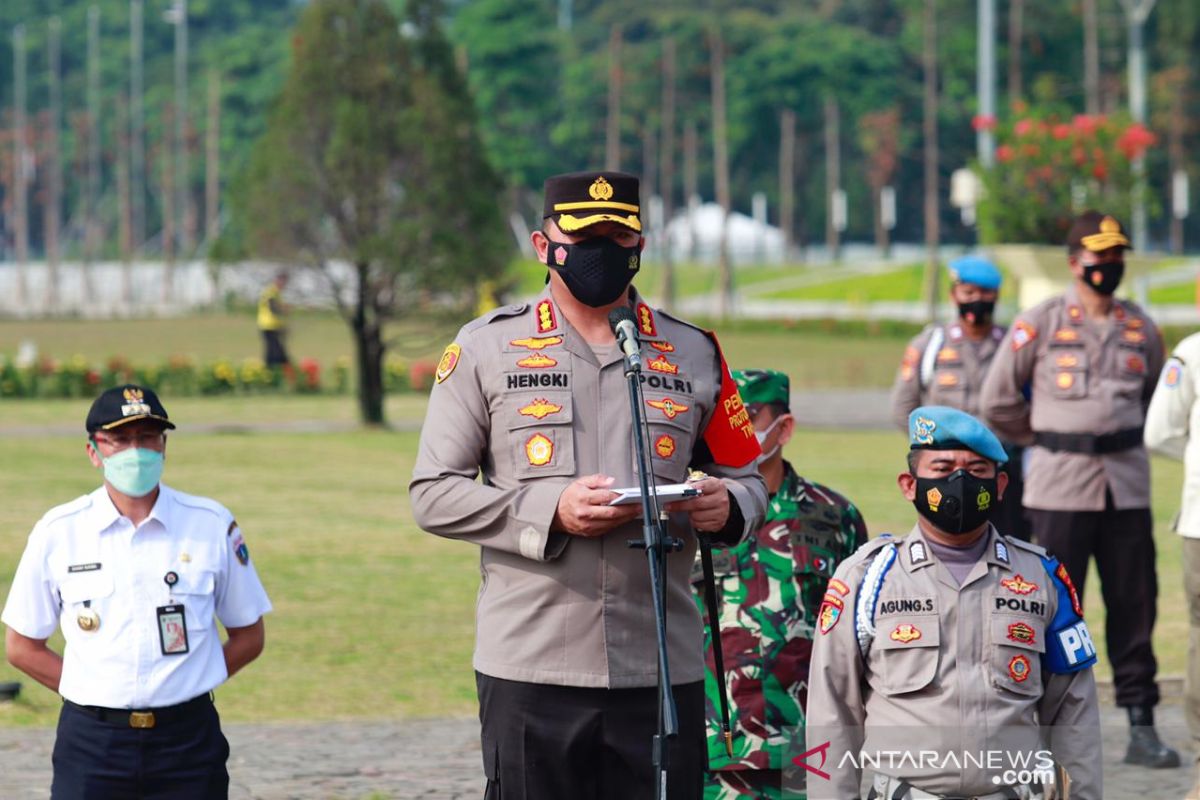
[976, 270]
[945, 428]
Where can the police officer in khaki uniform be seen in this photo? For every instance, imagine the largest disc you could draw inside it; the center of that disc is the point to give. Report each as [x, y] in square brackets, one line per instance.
[1090, 363]
[942, 657]
[945, 365]
[533, 397]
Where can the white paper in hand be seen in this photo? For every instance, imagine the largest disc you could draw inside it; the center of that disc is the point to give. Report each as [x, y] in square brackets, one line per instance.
[665, 494]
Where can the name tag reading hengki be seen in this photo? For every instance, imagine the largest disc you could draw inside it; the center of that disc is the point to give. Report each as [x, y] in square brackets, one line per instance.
[172, 630]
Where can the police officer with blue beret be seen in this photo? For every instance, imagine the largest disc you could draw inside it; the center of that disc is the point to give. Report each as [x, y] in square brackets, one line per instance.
[946, 364]
[942, 658]
[136, 574]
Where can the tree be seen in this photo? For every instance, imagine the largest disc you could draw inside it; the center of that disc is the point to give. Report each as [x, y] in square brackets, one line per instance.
[371, 159]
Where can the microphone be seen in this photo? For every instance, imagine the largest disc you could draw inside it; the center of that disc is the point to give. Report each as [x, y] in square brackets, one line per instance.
[621, 321]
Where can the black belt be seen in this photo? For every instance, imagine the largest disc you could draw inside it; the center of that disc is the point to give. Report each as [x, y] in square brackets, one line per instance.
[150, 717]
[1089, 443]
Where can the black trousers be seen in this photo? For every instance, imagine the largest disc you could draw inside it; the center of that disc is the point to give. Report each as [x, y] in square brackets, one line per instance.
[543, 742]
[274, 352]
[1009, 517]
[181, 760]
[1123, 543]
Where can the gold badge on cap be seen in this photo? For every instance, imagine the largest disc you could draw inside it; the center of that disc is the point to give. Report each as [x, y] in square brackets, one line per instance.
[600, 189]
[88, 621]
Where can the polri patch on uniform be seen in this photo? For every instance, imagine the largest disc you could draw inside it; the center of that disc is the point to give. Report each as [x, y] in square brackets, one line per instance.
[539, 450]
[1064, 380]
[537, 361]
[662, 347]
[661, 363]
[839, 587]
[1066, 335]
[1022, 633]
[540, 408]
[905, 633]
[1023, 334]
[1172, 374]
[537, 342]
[1064, 576]
[1018, 585]
[448, 362]
[665, 446]
[84, 567]
[831, 611]
[1018, 669]
[1136, 364]
[240, 550]
[669, 408]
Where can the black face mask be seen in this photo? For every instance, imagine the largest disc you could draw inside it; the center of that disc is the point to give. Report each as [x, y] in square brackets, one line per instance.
[597, 271]
[977, 312]
[958, 503]
[1104, 278]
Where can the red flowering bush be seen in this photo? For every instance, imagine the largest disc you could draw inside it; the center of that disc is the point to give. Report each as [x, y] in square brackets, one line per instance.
[1048, 168]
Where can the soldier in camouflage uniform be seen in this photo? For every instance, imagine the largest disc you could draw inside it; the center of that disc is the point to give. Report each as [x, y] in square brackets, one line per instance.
[769, 589]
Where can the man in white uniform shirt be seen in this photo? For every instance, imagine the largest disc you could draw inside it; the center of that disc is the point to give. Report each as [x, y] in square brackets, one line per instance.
[1171, 423]
[136, 574]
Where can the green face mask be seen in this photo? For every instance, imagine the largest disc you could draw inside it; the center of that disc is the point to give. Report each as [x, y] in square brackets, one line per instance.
[134, 471]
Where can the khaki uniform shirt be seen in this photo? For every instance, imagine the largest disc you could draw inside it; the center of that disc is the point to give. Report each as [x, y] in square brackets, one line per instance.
[954, 669]
[528, 404]
[950, 375]
[1173, 415]
[1084, 377]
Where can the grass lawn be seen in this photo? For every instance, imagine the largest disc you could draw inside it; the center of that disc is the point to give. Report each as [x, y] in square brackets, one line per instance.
[374, 618]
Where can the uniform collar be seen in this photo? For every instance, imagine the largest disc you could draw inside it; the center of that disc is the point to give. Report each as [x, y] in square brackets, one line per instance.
[915, 552]
[104, 514]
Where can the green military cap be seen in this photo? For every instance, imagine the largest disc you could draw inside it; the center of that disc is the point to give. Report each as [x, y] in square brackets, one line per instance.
[763, 386]
[579, 200]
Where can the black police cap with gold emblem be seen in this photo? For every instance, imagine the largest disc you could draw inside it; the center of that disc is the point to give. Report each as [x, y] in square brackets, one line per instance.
[580, 199]
[1096, 232]
[122, 404]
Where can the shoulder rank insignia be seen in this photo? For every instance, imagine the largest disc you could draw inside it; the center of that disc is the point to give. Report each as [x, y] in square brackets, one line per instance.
[1018, 585]
[1075, 314]
[537, 361]
[916, 553]
[539, 450]
[661, 364]
[662, 347]
[1023, 334]
[537, 342]
[449, 362]
[645, 319]
[547, 320]
[905, 633]
[668, 407]
[1002, 552]
[540, 408]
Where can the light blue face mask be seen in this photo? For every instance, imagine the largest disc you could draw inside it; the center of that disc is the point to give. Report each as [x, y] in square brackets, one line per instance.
[134, 471]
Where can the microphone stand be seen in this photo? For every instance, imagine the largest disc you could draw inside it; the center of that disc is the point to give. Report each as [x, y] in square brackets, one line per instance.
[657, 544]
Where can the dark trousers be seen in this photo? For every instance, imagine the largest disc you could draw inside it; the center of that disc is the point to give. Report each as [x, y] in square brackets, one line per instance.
[544, 742]
[1123, 543]
[274, 352]
[99, 760]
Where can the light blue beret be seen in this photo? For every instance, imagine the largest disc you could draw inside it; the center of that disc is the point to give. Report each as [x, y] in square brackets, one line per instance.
[945, 428]
[976, 270]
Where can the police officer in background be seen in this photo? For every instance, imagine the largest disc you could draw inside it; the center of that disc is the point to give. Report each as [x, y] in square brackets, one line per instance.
[770, 587]
[945, 365]
[1091, 362]
[956, 641]
[1170, 421]
[533, 397]
[136, 575]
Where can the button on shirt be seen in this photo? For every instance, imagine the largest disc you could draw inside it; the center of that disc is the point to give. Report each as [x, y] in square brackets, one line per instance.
[85, 555]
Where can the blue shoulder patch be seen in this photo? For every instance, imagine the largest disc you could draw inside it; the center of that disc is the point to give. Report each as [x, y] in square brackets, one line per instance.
[1069, 646]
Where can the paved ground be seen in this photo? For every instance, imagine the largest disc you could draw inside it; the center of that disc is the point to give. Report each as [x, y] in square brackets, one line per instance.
[428, 759]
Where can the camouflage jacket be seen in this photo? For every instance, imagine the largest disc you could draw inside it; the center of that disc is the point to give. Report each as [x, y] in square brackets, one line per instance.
[769, 589]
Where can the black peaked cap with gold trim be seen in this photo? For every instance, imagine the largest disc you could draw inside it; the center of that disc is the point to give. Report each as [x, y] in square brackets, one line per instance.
[1096, 232]
[578, 200]
[125, 403]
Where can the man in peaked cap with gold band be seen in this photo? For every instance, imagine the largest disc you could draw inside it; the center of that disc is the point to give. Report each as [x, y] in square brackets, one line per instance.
[769, 588]
[959, 650]
[136, 574]
[1090, 362]
[533, 397]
